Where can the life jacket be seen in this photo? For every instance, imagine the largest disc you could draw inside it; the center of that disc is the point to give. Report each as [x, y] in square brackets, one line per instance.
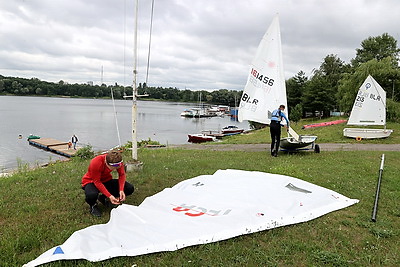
[277, 114]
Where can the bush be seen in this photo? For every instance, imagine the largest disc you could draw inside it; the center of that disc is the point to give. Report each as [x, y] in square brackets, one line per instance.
[393, 111]
[85, 152]
[296, 113]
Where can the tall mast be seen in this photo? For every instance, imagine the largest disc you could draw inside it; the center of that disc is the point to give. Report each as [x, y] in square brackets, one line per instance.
[134, 93]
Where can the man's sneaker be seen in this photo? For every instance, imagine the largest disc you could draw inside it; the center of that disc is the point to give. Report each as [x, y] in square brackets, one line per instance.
[95, 211]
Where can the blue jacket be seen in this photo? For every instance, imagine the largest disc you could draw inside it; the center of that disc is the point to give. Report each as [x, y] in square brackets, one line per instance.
[277, 115]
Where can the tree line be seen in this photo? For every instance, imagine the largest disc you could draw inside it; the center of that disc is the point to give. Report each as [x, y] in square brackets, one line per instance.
[34, 86]
[331, 87]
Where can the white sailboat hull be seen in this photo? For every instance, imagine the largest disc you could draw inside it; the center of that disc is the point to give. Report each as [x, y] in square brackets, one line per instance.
[290, 143]
[360, 133]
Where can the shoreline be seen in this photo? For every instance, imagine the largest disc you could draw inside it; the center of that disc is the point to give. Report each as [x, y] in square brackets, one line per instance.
[237, 147]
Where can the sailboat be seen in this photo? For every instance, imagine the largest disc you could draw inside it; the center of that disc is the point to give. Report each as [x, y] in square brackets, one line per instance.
[265, 89]
[369, 109]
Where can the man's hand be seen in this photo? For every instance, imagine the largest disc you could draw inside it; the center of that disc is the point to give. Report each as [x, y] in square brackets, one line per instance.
[114, 200]
[121, 196]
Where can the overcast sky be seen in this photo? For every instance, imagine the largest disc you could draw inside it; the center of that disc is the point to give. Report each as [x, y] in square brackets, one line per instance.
[196, 44]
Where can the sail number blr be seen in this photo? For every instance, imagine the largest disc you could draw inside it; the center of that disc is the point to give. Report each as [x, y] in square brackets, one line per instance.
[246, 98]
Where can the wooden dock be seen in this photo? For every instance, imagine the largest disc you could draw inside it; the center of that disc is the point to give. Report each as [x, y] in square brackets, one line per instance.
[55, 146]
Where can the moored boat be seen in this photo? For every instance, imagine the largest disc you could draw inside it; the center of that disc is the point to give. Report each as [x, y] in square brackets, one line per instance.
[31, 136]
[231, 129]
[200, 138]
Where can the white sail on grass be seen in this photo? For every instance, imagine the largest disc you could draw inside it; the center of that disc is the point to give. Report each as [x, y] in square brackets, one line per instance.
[370, 104]
[265, 89]
[204, 209]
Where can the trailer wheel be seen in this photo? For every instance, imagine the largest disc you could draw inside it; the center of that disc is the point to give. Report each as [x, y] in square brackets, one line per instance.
[317, 149]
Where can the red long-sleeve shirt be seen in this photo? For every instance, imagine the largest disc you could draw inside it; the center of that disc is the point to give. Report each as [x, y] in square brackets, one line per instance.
[99, 173]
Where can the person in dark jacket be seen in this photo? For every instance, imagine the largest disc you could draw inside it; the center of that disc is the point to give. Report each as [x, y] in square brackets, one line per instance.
[275, 128]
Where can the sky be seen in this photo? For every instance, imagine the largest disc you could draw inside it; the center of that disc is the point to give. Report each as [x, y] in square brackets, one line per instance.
[195, 44]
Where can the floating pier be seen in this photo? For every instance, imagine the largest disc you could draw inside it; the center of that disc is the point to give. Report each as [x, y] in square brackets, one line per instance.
[55, 146]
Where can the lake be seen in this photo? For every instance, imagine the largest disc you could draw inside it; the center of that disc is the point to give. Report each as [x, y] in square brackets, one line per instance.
[94, 123]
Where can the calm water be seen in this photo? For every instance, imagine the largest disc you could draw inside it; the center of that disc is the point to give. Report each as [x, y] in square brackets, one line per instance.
[93, 121]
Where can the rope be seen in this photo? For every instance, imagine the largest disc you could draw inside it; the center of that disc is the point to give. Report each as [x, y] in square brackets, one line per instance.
[151, 28]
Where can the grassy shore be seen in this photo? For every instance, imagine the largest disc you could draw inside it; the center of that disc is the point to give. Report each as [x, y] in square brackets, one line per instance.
[42, 208]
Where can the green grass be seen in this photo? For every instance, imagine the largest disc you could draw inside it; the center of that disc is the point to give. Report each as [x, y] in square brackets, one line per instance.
[327, 134]
[40, 209]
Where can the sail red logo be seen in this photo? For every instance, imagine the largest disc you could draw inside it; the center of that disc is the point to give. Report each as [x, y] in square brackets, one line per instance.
[262, 78]
[195, 211]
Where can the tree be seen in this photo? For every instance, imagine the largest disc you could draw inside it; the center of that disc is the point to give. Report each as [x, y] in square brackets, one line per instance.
[295, 87]
[378, 48]
[16, 87]
[317, 97]
[383, 72]
[296, 113]
[321, 91]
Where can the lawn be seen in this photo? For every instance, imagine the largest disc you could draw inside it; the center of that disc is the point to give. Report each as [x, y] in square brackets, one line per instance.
[41, 208]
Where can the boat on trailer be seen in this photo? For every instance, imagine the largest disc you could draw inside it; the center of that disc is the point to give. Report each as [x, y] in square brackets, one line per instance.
[369, 109]
[297, 142]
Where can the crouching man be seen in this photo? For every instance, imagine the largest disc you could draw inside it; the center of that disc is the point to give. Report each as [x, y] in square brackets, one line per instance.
[99, 184]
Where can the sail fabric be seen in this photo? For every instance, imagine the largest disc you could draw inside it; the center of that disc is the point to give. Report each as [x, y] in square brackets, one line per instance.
[369, 107]
[200, 210]
[265, 89]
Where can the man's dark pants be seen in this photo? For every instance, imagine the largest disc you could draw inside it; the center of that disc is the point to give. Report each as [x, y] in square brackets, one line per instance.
[275, 130]
[92, 193]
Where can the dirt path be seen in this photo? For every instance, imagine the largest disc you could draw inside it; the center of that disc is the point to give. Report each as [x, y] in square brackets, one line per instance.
[265, 147]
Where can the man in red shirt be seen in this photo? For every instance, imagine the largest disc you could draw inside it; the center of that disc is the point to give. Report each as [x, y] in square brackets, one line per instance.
[98, 179]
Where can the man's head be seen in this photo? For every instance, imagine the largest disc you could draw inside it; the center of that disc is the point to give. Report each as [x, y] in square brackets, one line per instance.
[282, 107]
[114, 159]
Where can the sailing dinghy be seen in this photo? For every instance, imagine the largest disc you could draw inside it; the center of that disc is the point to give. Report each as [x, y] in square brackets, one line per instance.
[265, 89]
[369, 109]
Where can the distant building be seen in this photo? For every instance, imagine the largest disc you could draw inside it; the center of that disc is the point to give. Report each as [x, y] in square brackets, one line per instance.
[90, 83]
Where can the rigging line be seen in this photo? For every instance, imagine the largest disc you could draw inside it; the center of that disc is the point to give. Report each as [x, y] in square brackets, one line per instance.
[151, 29]
[115, 115]
[124, 44]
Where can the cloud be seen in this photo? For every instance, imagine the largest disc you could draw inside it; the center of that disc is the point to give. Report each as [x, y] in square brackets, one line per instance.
[195, 44]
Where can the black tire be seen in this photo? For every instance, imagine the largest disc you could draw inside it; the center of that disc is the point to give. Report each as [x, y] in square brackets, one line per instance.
[317, 149]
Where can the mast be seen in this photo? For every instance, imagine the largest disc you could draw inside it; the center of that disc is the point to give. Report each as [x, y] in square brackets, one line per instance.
[134, 93]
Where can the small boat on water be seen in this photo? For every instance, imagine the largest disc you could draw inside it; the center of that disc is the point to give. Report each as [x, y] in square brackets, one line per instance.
[216, 134]
[200, 138]
[231, 130]
[226, 131]
[197, 113]
[31, 136]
